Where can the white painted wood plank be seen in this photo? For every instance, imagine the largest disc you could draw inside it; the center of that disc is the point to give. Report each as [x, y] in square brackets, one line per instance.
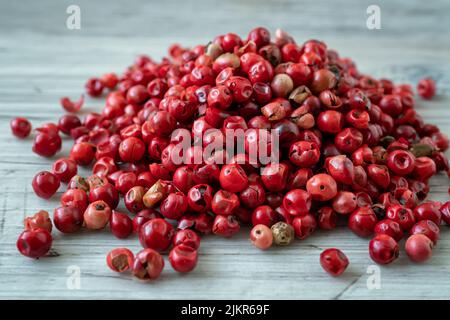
[40, 60]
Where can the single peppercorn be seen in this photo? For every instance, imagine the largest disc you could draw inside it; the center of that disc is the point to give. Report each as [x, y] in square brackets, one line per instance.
[283, 233]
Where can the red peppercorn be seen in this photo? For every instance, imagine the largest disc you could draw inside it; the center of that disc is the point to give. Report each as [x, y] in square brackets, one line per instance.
[297, 202]
[156, 234]
[252, 196]
[224, 202]
[148, 265]
[274, 176]
[379, 175]
[34, 243]
[383, 249]
[174, 206]
[341, 169]
[426, 88]
[75, 198]
[401, 162]
[322, 187]
[362, 221]
[225, 226]
[120, 259]
[142, 217]
[47, 144]
[183, 258]
[403, 216]
[233, 178]
[428, 211]
[131, 150]
[186, 237]
[105, 192]
[304, 154]
[390, 228]
[428, 228]
[97, 215]
[334, 261]
[304, 226]
[65, 169]
[20, 127]
[83, 153]
[264, 215]
[38, 220]
[419, 247]
[120, 224]
[445, 211]
[327, 218]
[344, 202]
[45, 184]
[68, 122]
[94, 87]
[68, 219]
[261, 237]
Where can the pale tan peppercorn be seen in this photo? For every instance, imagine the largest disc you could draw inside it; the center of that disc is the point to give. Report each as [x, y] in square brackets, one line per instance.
[283, 233]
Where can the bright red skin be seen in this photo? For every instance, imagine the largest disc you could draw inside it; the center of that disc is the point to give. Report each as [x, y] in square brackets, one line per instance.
[65, 169]
[390, 228]
[120, 259]
[445, 211]
[125, 182]
[428, 211]
[75, 198]
[334, 261]
[322, 187]
[45, 184]
[34, 243]
[47, 144]
[68, 122]
[142, 217]
[121, 225]
[174, 206]
[225, 226]
[133, 199]
[379, 174]
[186, 237]
[20, 127]
[304, 154]
[200, 197]
[401, 162]
[107, 193]
[156, 234]
[83, 153]
[304, 226]
[419, 248]
[40, 219]
[148, 265]
[183, 258]
[264, 215]
[426, 88]
[428, 228]
[274, 177]
[383, 249]
[233, 178]
[252, 196]
[403, 216]
[344, 202]
[68, 219]
[362, 221]
[297, 202]
[341, 169]
[224, 202]
[131, 150]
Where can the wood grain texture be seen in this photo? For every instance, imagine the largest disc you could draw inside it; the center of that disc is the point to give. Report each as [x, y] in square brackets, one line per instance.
[41, 60]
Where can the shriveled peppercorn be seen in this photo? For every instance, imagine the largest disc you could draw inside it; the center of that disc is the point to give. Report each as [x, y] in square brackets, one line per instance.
[283, 233]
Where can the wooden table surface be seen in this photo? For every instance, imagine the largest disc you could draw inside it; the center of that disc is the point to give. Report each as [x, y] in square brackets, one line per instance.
[41, 60]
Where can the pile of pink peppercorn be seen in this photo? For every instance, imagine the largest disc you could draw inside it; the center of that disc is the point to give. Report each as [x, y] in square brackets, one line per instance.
[350, 147]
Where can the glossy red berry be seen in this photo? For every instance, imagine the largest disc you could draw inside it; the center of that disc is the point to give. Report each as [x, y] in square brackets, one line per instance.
[156, 234]
[327, 218]
[65, 169]
[45, 184]
[401, 162]
[148, 265]
[304, 226]
[297, 202]
[38, 220]
[77, 198]
[83, 153]
[304, 154]
[322, 187]
[47, 144]
[403, 216]
[341, 169]
[225, 226]
[131, 150]
[419, 247]
[445, 212]
[200, 197]
[142, 217]
[34, 243]
[120, 224]
[390, 228]
[186, 237]
[428, 211]
[224, 202]
[174, 206]
[274, 176]
[233, 178]
[334, 261]
[379, 175]
[125, 182]
[105, 192]
[383, 249]
[344, 202]
[120, 259]
[264, 215]
[428, 228]
[183, 258]
[362, 221]
[68, 219]
[20, 127]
